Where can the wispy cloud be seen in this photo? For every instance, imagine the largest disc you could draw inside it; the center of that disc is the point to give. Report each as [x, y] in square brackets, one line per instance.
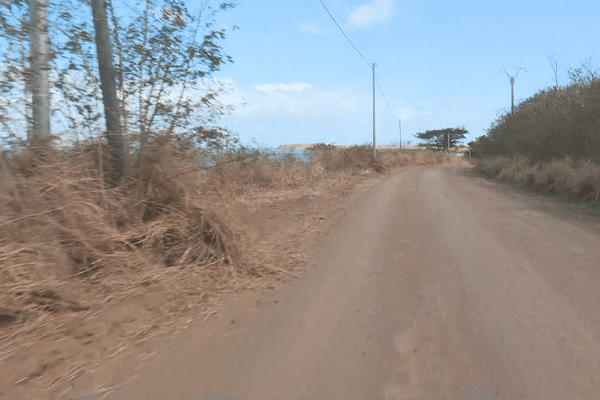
[411, 114]
[297, 101]
[377, 11]
[311, 28]
[284, 87]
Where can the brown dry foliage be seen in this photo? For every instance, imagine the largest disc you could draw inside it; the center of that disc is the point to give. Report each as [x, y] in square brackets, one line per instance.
[59, 227]
[559, 176]
[59, 219]
[361, 157]
[60, 224]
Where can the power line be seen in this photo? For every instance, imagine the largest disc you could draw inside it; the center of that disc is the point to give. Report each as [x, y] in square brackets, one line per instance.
[384, 98]
[352, 22]
[359, 53]
[349, 16]
[350, 41]
[375, 80]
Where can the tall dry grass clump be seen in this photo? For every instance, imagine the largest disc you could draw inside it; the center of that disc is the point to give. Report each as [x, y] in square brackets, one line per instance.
[559, 176]
[253, 169]
[349, 159]
[63, 232]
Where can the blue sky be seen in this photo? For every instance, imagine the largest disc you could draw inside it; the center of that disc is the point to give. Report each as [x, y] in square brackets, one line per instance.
[438, 64]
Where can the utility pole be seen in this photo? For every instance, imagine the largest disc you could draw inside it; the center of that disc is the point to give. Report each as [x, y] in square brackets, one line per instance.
[400, 128]
[374, 130]
[512, 85]
[512, 94]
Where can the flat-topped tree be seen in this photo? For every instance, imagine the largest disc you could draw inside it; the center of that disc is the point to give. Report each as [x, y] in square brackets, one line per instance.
[442, 138]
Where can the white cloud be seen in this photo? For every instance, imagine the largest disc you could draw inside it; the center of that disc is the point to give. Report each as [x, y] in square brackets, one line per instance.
[303, 101]
[411, 114]
[284, 87]
[311, 28]
[378, 11]
[283, 101]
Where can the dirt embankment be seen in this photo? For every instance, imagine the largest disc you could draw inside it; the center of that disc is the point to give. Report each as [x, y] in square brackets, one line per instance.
[90, 275]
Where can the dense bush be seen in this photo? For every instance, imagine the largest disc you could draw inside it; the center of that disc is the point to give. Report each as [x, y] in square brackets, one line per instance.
[558, 122]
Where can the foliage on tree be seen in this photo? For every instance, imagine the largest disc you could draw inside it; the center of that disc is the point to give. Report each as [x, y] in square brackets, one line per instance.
[442, 138]
[480, 147]
[15, 104]
[554, 123]
[165, 57]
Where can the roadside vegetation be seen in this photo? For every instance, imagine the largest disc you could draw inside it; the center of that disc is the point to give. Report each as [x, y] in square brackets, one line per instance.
[73, 250]
[63, 227]
[551, 142]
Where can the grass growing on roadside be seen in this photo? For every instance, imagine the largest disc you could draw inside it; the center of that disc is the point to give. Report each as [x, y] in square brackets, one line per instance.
[361, 157]
[59, 222]
[564, 177]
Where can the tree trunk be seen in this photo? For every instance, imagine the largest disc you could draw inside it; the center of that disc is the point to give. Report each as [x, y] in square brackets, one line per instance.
[39, 70]
[114, 134]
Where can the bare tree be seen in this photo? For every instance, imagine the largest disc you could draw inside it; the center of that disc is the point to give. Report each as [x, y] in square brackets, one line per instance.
[39, 71]
[114, 134]
[554, 65]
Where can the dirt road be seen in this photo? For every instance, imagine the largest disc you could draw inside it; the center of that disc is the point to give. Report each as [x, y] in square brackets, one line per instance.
[435, 285]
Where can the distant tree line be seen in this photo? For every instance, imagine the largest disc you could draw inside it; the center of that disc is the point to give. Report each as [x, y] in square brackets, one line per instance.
[557, 122]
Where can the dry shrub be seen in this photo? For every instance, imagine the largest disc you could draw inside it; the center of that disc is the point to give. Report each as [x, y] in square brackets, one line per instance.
[586, 185]
[60, 229]
[519, 170]
[253, 171]
[491, 167]
[557, 176]
[383, 162]
[263, 171]
[402, 159]
[321, 146]
[361, 157]
[349, 159]
[260, 171]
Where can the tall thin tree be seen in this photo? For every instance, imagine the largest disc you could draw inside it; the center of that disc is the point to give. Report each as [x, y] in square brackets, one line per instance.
[39, 70]
[114, 133]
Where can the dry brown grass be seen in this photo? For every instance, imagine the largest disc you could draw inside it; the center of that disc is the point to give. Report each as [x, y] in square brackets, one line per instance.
[71, 249]
[555, 177]
[361, 157]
